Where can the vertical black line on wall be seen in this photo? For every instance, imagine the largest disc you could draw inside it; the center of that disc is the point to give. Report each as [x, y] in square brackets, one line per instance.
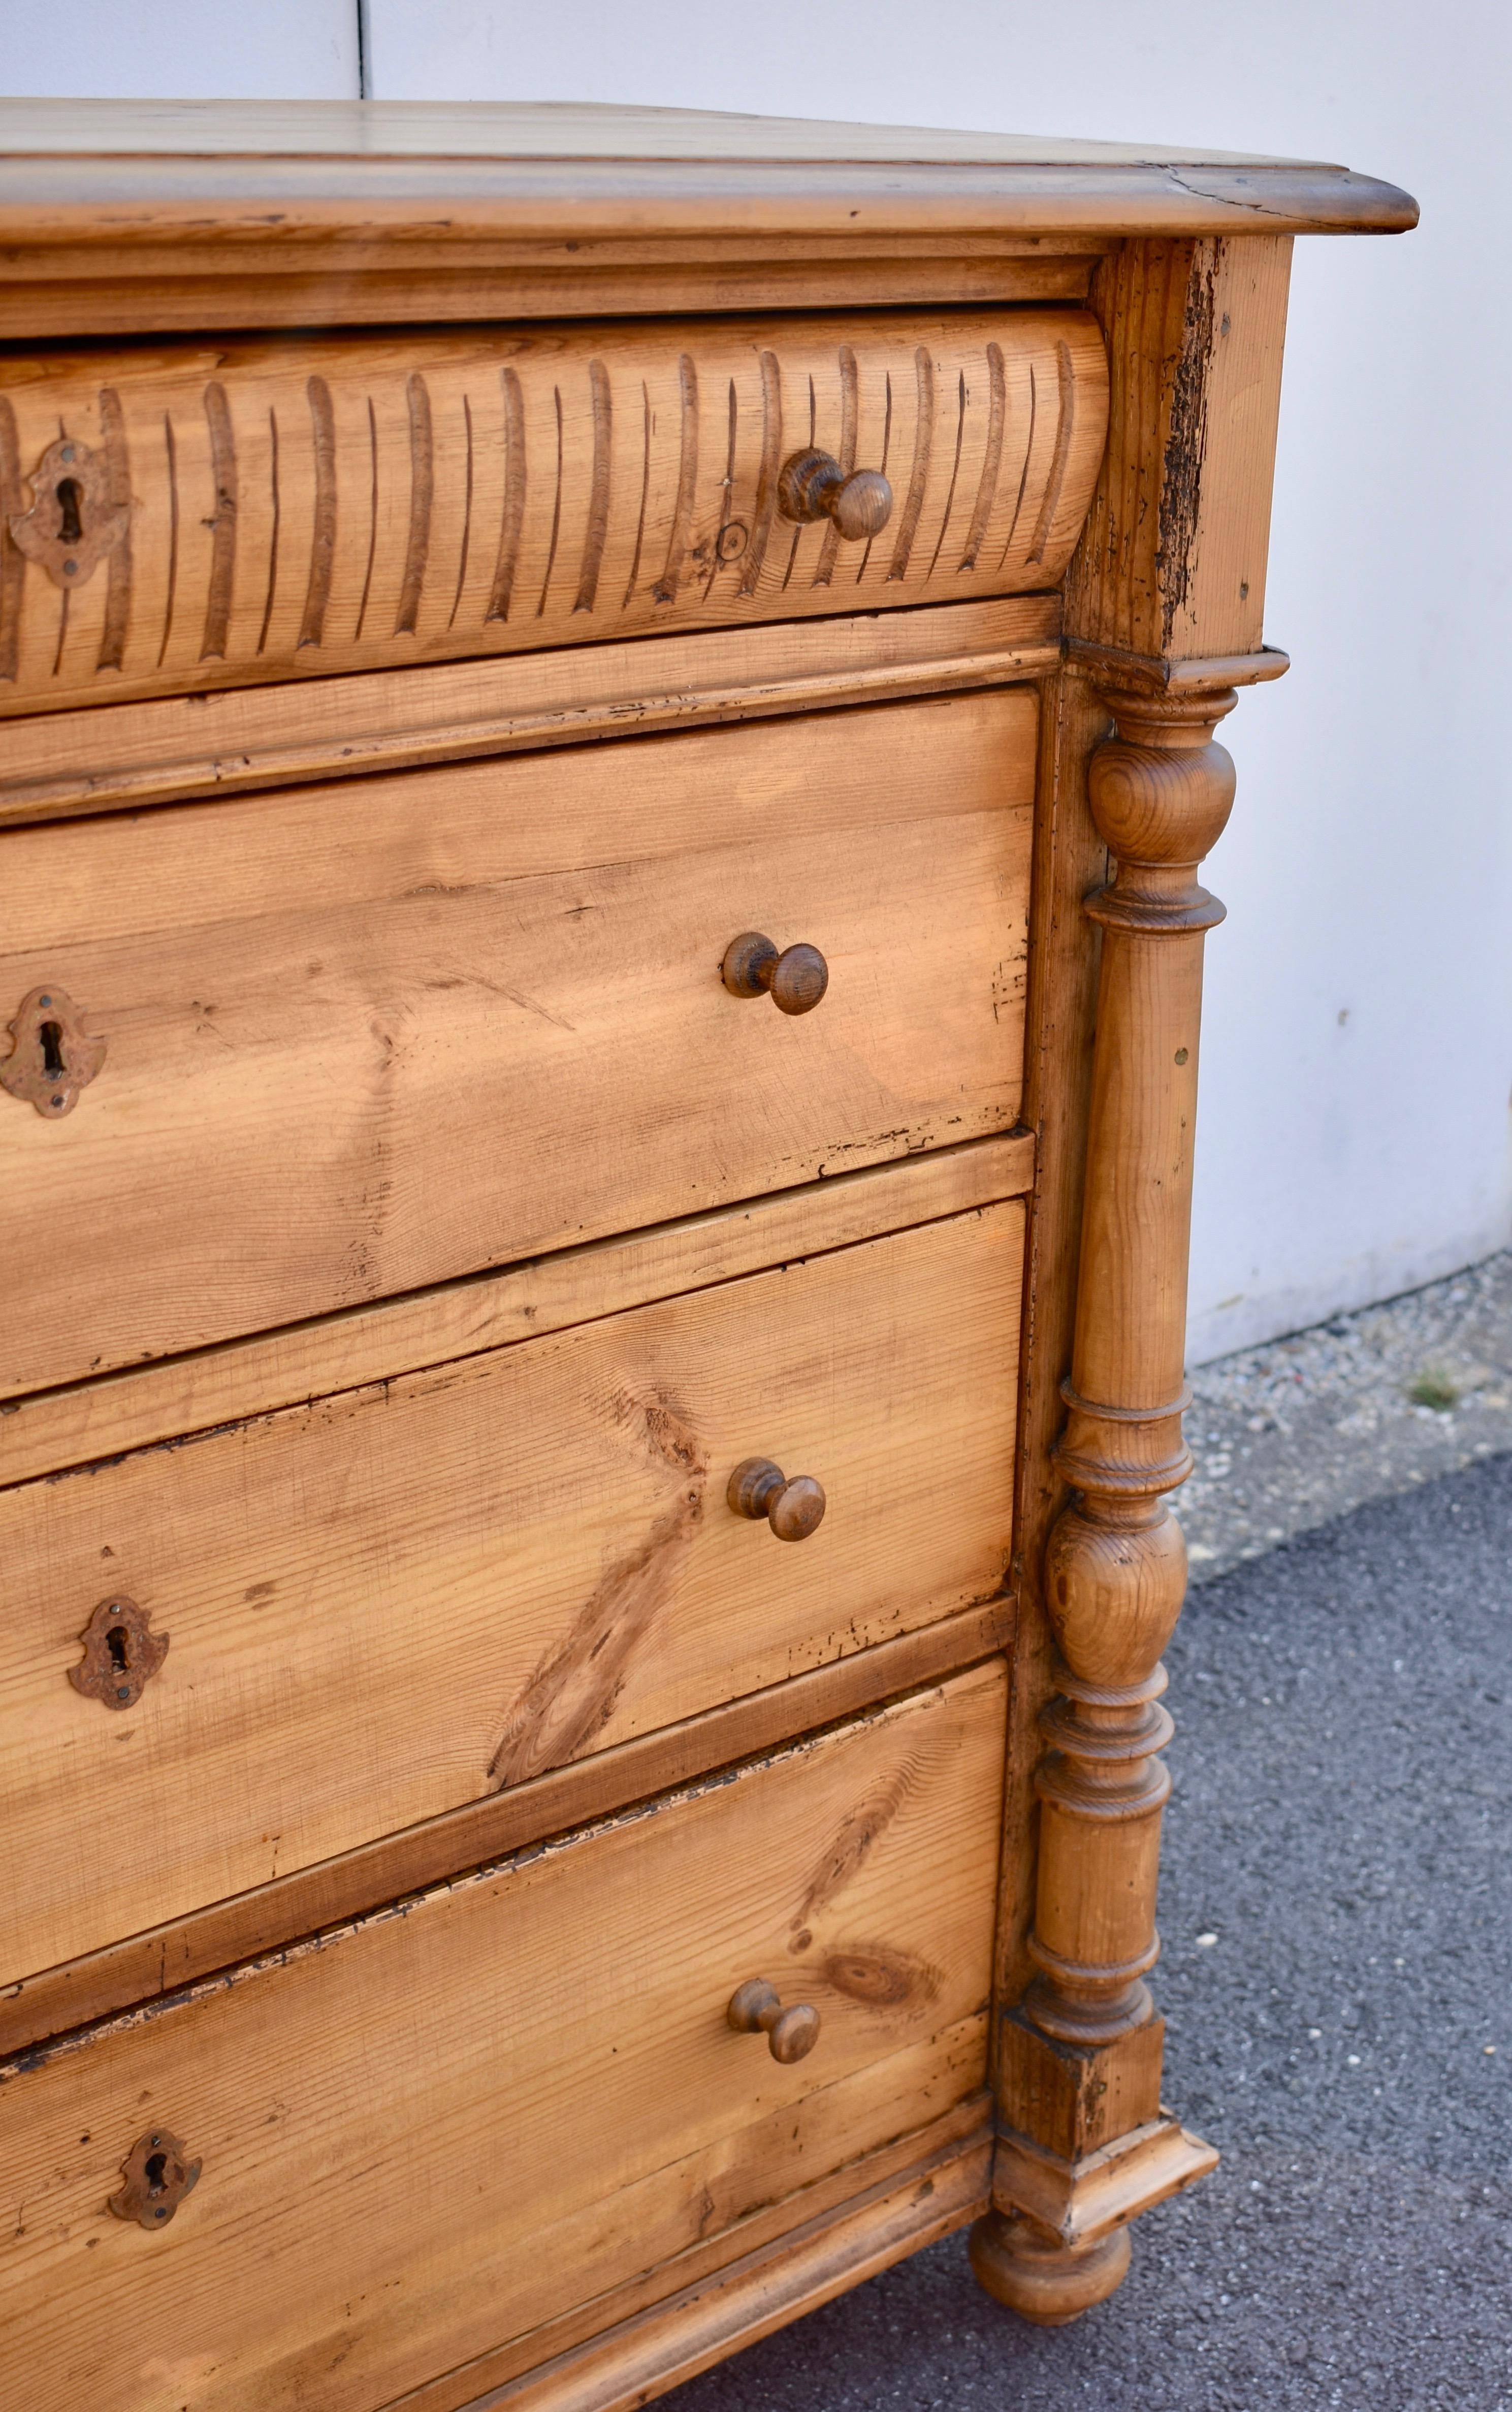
[364, 52]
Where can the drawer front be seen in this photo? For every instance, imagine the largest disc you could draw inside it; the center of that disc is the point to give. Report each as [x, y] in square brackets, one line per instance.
[184, 517]
[427, 2134]
[391, 1602]
[359, 1040]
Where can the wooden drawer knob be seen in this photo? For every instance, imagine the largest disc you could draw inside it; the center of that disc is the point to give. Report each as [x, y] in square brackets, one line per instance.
[795, 979]
[756, 2008]
[793, 1510]
[814, 486]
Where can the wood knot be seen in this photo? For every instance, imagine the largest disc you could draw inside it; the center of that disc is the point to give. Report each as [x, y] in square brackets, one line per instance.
[881, 1975]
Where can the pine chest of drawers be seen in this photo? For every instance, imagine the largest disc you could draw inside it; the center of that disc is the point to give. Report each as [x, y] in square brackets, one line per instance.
[600, 797]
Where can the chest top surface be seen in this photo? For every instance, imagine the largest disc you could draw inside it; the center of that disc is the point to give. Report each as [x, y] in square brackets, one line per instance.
[124, 216]
[74, 156]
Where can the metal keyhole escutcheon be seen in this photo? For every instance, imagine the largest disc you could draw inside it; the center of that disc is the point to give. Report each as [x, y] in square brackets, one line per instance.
[76, 517]
[52, 1056]
[156, 2176]
[122, 1654]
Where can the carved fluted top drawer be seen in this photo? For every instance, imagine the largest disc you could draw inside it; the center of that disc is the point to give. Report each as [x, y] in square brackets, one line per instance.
[205, 515]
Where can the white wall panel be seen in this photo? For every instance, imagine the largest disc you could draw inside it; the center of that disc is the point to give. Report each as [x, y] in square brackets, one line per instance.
[180, 49]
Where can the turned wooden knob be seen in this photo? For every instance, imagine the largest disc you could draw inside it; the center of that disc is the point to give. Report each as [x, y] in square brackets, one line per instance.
[793, 1510]
[756, 2008]
[814, 486]
[795, 979]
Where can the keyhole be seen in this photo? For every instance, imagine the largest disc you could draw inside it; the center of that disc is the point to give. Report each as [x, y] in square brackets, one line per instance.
[155, 2168]
[70, 494]
[51, 1034]
[115, 1641]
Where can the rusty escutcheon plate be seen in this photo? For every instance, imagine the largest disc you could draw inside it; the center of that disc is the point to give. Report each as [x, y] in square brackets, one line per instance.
[155, 2178]
[52, 1056]
[75, 519]
[122, 1654]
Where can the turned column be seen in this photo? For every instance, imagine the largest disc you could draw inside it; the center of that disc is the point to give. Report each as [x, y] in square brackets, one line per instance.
[1160, 791]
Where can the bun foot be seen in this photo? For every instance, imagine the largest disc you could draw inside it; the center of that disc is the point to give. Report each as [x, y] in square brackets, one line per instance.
[1021, 2265]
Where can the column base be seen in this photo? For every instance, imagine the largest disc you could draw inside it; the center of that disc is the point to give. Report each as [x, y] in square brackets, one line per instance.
[1082, 2203]
[1037, 2276]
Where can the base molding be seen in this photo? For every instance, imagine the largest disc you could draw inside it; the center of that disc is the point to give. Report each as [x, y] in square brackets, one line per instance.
[1082, 2201]
[640, 2358]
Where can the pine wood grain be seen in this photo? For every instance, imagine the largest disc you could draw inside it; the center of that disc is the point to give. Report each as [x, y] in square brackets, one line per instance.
[366, 1037]
[406, 1597]
[228, 740]
[301, 507]
[642, 2353]
[439, 2129]
[171, 214]
[49, 1430]
[356, 132]
[320, 1343]
[370, 269]
[181, 1950]
[1172, 563]
[1163, 612]
[1114, 1565]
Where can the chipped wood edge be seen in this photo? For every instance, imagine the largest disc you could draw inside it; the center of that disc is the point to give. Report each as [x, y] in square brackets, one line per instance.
[144, 1967]
[119, 757]
[1172, 563]
[435, 1894]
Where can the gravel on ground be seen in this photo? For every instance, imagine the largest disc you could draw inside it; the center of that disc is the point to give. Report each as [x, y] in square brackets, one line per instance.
[1291, 1435]
[1337, 1980]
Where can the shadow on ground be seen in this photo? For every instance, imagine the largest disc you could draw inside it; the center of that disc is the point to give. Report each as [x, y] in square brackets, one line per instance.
[1342, 1825]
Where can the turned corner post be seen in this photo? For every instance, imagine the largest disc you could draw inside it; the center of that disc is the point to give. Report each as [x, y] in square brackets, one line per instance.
[1160, 791]
[1087, 2039]
[1164, 621]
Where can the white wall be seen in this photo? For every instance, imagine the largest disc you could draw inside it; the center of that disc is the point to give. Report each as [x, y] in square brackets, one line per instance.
[1358, 1058]
[180, 49]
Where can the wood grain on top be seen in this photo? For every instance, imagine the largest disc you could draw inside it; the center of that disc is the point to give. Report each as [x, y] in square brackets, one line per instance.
[537, 129]
[189, 214]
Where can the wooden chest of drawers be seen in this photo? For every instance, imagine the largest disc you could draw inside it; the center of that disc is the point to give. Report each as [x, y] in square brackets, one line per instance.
[600, 798]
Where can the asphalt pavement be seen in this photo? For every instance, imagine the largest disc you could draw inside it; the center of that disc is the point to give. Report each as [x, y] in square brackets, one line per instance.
[1336, 1907]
